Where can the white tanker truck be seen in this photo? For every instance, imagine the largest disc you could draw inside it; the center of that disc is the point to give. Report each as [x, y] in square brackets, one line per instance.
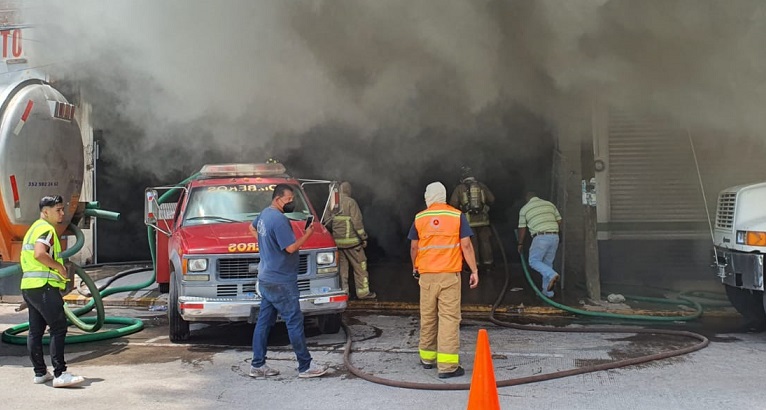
[740, 245]
[41, 152]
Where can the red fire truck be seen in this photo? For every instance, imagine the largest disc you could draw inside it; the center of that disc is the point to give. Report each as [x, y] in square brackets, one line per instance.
[207, 259]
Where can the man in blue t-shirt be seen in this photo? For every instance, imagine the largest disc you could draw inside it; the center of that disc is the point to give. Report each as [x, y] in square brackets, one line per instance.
[278, 284]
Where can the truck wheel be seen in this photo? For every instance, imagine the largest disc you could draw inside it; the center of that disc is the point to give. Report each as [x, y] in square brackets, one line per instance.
[750, 304]
[179, 328]
[330, 324]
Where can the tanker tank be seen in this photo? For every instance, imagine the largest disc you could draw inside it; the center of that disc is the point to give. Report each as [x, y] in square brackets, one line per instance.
[41, 153]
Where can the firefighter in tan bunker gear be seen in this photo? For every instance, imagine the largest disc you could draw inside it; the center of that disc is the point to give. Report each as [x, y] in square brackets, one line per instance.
[474, 198]
[351, 239]
[440, 240]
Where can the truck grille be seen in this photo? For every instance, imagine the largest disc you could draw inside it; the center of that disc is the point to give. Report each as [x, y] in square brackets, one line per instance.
[725, 217]
[304, 285]
[239, 268]
[226, 290]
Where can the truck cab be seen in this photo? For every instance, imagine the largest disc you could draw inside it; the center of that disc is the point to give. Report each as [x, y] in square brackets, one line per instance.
[207, 257]
[740, 245]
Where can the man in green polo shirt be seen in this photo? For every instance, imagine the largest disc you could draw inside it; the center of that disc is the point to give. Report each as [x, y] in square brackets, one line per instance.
[543, 221]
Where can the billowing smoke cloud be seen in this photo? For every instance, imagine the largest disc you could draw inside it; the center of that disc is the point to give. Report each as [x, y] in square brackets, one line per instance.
[393, 94]
[251, 71]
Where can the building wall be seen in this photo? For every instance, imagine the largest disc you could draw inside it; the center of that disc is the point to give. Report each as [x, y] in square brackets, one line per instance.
[653, 225]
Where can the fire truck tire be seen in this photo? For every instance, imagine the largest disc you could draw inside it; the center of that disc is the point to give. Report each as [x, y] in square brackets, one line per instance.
[750, 304]
[330, 324]
[178, 327]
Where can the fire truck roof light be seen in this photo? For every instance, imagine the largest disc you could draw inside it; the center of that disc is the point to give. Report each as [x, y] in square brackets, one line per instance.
[242, 170]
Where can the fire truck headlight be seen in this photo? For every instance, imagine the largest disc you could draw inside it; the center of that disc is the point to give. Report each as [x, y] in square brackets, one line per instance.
[197, 265]
[325, 258]
[755, 238]
[740, 237]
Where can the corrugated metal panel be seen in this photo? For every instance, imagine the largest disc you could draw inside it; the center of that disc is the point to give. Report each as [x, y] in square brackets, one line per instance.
[652, 176]
[652, 185]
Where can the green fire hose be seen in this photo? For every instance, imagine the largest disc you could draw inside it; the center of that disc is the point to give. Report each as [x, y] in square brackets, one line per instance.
[87, 324]
[684, 300]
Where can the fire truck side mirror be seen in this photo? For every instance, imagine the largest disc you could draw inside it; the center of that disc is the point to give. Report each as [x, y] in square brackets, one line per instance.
[334, 197]
[151, 207]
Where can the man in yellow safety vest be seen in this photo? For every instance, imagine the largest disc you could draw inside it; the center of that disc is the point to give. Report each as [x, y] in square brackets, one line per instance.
[44, 278]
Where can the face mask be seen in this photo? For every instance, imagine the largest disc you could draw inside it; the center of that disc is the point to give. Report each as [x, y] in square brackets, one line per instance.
[288, 207]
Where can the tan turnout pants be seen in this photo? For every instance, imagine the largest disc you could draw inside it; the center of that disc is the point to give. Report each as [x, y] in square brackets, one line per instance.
[482, 244]
[440, 320]
[356, 258]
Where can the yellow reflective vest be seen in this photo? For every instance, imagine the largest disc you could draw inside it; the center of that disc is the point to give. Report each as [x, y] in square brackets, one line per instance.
[37, 275]
[347, 225]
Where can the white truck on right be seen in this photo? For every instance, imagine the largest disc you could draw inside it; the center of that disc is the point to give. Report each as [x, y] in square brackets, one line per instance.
[739, 248]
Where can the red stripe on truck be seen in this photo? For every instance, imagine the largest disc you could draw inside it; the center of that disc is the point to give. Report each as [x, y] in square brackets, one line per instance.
[14, 189]
[27, 110]
[192, 306]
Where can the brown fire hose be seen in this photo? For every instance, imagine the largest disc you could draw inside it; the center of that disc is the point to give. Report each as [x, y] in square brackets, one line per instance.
[701, 343]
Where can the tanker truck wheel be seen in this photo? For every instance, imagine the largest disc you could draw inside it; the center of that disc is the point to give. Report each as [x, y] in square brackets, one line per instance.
[179, 328]
[330, 324]
[750, 304]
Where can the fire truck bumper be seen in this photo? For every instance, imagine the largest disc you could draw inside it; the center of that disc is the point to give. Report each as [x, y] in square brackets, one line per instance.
[197, 309]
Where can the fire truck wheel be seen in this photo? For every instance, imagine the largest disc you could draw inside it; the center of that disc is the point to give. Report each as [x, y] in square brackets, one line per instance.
[750, 304]
[179, 328]
[330, 324]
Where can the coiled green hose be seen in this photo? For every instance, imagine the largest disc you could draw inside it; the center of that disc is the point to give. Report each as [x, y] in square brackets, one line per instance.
[88, 324]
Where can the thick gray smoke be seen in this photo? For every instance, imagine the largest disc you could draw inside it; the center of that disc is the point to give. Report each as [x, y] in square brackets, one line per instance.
[393, 93]
[254, 71]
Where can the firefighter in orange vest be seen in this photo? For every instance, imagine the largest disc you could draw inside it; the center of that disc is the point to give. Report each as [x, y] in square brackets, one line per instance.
[440, 240]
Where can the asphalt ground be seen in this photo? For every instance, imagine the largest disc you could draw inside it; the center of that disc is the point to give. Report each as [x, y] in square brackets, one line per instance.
[145, 370]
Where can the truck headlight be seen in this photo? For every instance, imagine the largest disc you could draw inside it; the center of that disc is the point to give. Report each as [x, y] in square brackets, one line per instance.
[197, 265]
[325, 258]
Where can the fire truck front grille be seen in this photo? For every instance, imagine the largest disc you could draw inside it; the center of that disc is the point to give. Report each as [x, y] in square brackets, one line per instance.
[246, 268]
[725, 217]
[226, 290]
[303, 265]
[304, 285]
[238, 268]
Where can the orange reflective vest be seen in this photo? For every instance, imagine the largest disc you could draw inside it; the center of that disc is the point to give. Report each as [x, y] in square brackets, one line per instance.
[438, 230]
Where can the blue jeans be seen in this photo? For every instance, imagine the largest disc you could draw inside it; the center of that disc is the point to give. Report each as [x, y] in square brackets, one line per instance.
[542, 252]
[281, 299]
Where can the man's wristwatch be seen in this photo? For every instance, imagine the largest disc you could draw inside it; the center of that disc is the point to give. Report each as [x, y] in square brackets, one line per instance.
[416, 274]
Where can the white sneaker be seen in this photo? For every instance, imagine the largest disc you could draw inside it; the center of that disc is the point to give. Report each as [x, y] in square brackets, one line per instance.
[43, 379]
[67, 380]
[263, 371]
[313, 371]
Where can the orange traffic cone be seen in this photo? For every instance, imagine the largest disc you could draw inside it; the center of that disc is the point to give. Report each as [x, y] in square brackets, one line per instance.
[483, 394]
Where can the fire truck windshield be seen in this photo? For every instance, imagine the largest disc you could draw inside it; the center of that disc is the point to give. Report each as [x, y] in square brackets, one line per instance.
[236, 203]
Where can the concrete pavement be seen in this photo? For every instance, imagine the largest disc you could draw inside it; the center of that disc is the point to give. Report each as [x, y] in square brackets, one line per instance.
[210, 372]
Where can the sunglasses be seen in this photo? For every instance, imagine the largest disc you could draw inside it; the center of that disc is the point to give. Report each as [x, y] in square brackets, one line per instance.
[51, 201]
